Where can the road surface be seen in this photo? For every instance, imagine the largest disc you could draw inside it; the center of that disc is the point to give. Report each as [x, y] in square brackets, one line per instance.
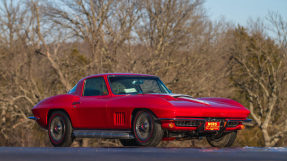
[143, 154]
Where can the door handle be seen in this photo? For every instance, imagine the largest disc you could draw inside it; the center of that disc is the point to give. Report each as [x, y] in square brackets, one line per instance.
[75, 103]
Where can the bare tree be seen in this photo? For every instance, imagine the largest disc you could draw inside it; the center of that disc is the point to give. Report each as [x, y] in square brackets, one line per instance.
[258, 68]
[104, 24]
[16, 79]
[41, 42]
[278, 26]
[167, 27]
[20, 67]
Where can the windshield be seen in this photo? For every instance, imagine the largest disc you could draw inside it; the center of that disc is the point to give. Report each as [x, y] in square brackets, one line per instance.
[137, 85]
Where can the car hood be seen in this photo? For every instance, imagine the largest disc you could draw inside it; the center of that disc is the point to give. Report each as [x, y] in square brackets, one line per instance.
[187, 106]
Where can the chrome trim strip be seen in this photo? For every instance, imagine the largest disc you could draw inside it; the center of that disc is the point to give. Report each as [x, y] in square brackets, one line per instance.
[109, 134]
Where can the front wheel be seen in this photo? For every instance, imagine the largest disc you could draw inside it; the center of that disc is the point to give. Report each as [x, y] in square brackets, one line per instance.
[60, 129]
[225, 140]
[146, 129]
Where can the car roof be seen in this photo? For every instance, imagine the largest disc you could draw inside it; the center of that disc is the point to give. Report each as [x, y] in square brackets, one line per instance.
[120, 74]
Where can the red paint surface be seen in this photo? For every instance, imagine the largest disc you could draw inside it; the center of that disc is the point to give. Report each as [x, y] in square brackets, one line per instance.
[115, 111]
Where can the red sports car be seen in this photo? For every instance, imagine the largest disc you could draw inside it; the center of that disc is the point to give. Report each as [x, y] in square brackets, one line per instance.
[139, 110]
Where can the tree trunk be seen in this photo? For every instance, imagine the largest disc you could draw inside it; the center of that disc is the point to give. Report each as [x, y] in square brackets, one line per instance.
[266, 136]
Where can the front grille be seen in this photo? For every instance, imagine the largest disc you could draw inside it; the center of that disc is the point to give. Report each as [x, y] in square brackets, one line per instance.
[232, 124]
[189, 123]
[196, 123]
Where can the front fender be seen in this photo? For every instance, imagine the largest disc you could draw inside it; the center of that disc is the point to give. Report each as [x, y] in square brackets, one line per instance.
[59, 102]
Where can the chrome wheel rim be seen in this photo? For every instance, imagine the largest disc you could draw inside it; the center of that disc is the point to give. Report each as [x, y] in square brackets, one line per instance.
[143, 127]
[57, 129]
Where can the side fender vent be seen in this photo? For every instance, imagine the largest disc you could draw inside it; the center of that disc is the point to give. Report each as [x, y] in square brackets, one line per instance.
[119, 119]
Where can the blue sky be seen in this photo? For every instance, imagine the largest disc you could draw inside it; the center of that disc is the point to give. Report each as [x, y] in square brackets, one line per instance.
[239, 11]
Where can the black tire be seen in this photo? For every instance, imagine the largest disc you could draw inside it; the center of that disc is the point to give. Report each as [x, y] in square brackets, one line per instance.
[146, 129]
[225, 140]
[60, 129]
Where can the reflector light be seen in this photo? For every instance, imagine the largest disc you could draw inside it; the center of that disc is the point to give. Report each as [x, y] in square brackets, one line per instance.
[171, 125]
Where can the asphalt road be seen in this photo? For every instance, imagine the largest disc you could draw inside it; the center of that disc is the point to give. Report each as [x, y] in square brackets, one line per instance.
[143, 154]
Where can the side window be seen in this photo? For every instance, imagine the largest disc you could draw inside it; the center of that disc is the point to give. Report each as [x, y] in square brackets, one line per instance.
[95, 87]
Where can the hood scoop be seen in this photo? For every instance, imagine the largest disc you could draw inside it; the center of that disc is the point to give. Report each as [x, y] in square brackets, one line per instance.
[188, 97]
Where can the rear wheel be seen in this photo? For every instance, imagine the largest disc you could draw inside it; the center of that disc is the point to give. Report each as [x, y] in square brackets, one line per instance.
[147, 131]
[225, 140]
[60, 129]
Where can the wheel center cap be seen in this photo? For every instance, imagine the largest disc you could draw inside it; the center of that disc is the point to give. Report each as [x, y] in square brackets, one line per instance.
[57, 128]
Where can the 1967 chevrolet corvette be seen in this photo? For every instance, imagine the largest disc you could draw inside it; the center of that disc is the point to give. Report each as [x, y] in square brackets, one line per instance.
[139, 110]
